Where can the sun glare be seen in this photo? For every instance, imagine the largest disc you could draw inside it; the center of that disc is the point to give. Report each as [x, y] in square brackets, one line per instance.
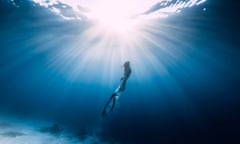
[115, 16]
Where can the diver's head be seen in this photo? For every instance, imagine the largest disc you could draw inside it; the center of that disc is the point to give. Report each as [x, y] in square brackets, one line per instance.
[126, 64]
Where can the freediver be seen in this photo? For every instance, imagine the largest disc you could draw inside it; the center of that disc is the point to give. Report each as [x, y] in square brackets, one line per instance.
[126, 73]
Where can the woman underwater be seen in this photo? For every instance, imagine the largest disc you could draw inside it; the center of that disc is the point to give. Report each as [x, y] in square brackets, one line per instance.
[126, 73]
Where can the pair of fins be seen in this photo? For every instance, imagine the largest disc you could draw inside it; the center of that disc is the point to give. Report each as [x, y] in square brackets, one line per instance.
[112, 99]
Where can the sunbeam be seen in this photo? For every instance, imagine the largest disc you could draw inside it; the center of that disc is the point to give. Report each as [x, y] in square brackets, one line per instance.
[111, 32]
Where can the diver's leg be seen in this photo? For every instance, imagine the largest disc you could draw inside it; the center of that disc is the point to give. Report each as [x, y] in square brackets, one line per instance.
[122, 85]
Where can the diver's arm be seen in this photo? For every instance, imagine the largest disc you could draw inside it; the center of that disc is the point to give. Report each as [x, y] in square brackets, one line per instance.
[127, 72]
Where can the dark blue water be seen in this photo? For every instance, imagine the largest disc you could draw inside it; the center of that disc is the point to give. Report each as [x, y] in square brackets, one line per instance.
[193, 99]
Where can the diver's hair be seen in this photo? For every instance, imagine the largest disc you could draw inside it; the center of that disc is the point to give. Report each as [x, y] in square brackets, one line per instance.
[126, 63]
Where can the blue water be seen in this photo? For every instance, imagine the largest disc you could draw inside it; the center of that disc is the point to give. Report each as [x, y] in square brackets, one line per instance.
[188, 93]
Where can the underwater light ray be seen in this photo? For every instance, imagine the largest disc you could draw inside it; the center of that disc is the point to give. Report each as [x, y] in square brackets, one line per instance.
[142, 41]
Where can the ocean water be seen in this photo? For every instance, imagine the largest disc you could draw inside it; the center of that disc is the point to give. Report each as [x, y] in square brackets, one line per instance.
[60, 61]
